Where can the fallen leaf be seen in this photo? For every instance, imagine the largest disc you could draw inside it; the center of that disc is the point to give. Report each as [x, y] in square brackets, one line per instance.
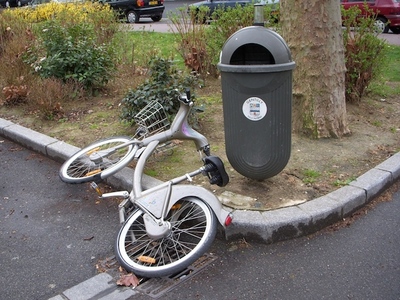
[128, 280]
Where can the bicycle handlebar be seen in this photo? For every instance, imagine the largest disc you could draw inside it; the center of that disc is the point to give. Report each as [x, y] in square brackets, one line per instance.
[180, 128]
[185, 98]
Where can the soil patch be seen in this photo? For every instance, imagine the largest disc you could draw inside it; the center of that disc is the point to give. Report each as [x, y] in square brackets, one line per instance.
[316, 167]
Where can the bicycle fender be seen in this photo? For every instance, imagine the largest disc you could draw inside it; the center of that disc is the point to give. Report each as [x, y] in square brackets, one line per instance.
[182, 191]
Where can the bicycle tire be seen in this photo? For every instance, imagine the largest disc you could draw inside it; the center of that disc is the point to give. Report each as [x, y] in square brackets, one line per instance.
[79, 168]
[193, 229]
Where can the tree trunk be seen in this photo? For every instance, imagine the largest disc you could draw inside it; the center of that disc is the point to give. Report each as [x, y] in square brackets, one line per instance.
[313, 32]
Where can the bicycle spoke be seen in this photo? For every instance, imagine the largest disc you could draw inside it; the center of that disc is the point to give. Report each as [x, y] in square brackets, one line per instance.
[93, 160]
[192, 225]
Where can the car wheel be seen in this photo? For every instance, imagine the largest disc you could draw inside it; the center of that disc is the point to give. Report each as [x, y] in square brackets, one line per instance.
[395, 30]
[132, 17]
[381, 25]
[156, 18]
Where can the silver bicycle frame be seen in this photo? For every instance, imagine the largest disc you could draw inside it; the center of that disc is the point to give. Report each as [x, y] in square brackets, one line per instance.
[156, 202]
[180, 129]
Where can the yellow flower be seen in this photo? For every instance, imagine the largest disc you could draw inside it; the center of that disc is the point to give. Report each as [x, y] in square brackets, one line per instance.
[72, 12]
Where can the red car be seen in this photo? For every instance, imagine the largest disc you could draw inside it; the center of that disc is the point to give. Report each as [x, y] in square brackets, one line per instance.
[387, 12]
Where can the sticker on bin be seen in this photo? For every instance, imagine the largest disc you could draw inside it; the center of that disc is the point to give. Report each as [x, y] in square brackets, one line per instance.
[254, 109]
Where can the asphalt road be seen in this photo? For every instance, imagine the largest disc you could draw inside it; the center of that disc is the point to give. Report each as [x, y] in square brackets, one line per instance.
[357, 262]
[53, 234]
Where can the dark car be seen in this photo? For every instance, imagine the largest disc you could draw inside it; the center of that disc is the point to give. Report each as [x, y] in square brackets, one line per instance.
[4, 3]
[13, 3]
[387, 12]
[133, 10]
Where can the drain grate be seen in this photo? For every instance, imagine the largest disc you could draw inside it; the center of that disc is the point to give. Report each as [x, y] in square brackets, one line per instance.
[156, 287]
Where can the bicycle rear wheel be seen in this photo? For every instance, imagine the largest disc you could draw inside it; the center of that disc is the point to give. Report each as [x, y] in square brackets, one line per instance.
[97, 161]
[193, 229]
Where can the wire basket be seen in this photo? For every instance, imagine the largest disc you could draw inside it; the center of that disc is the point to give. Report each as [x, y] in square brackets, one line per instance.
[152, 119]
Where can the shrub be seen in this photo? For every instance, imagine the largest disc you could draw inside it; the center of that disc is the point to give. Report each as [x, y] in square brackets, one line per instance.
[5, 33]
[14, 73]
[200, 44]
[13, 36]
[49, 95]
[72, 41]
[164, 85]
[15, 94]
[192, 39]
[364, 53]
[77, 37]
[74, 11]
[227, 23]
[70, 51]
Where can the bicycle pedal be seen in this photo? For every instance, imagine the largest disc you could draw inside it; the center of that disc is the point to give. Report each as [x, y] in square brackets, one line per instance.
[94, 186]
[93, 151]
[93, 172]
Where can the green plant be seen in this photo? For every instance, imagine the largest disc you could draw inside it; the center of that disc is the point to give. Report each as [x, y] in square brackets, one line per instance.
[192, 39]
[151, 172]
[310, 176]
[391, 71]
[226, 23]
[379, 86]
[130, 48]
[364, 53]
[164, 85]
[377, 123]
[69, 52]
[345, 182]
[200, 44]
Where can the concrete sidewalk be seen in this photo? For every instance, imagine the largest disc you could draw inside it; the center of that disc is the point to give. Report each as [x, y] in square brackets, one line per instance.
[263, 226]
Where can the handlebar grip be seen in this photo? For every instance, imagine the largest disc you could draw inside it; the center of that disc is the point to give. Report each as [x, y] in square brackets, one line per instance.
[185, 98]
[188, 93]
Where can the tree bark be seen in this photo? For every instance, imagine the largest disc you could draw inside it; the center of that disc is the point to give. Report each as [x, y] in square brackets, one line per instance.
[312, 29]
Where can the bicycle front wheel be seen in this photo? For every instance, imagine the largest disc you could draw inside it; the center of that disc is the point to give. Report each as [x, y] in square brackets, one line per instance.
[193, 229]
[97, 161]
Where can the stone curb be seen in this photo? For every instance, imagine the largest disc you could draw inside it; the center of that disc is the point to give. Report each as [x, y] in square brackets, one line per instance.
[262, 226]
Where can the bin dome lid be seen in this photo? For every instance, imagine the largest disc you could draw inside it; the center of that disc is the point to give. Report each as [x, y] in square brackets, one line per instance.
[262, 36]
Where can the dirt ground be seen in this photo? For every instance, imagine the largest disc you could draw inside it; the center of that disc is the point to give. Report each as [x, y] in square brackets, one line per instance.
[315, 168]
